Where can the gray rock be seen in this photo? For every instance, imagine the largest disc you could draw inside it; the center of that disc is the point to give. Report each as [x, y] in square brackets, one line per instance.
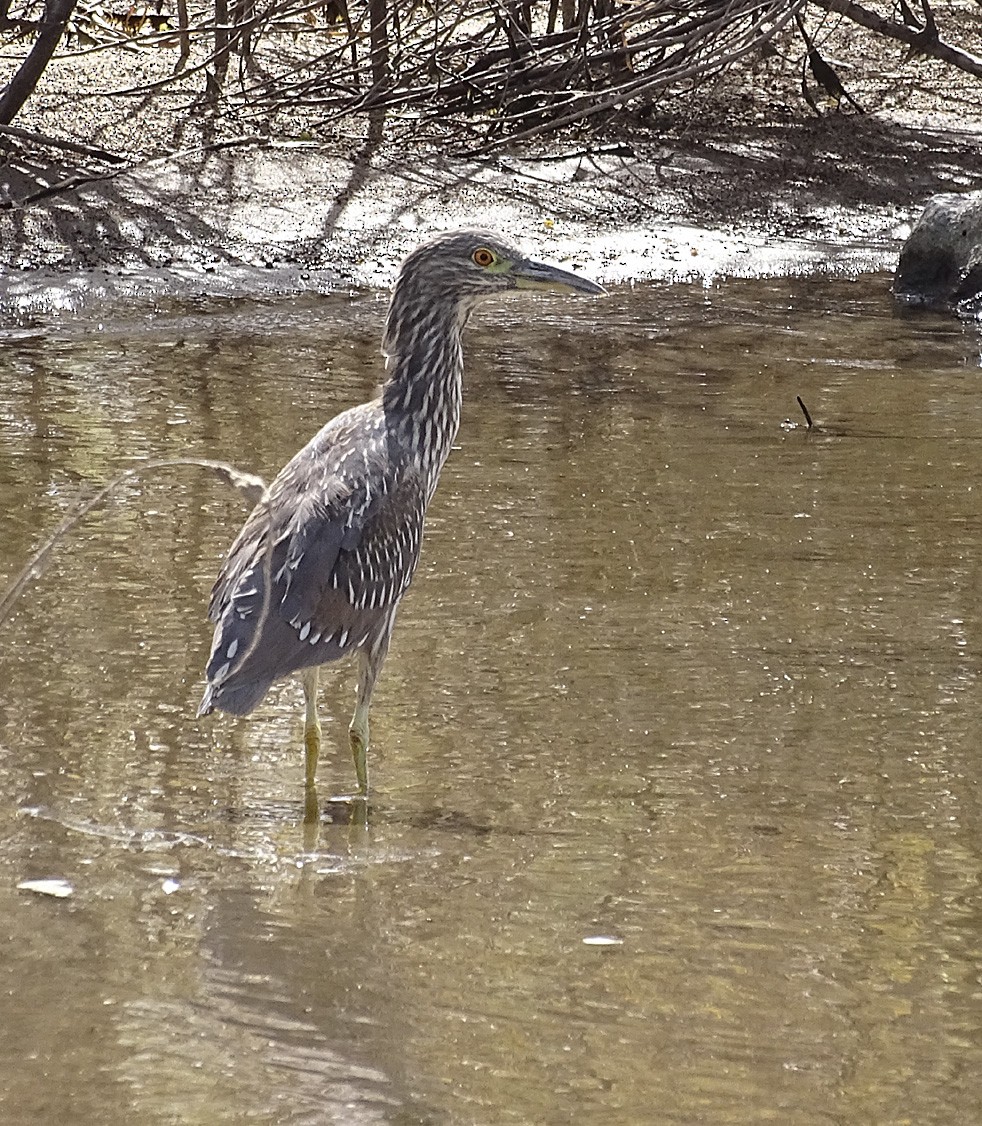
[941, 262]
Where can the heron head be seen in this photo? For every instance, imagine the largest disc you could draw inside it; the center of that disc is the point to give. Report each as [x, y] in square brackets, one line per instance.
[472, 263]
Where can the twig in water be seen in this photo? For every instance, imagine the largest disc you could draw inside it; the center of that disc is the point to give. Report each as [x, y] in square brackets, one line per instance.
[804, 411]
[254, 488]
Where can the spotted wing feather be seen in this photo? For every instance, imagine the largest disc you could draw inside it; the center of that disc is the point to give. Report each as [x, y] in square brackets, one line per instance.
[335, 541]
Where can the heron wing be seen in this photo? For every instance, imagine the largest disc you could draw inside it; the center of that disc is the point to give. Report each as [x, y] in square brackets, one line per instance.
[315, 501]
[335, 542]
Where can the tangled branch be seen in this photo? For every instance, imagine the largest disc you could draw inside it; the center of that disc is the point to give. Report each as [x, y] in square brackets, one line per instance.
[502, 69]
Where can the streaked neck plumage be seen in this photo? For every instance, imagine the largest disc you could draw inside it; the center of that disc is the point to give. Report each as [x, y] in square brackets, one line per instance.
[424, 362]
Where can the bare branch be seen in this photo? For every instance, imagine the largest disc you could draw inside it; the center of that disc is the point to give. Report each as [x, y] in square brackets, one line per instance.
[925, 41]
[254, 488]
[21, 86]
[499, 70]
[68, 146]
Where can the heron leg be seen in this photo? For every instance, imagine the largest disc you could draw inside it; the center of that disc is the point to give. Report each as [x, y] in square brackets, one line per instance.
[369, 666]
[311, 726]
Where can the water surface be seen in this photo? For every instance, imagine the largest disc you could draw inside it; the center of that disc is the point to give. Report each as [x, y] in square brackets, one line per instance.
[675, 813]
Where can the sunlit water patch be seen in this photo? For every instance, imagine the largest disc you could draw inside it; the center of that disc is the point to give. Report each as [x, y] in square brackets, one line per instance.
[674, 760]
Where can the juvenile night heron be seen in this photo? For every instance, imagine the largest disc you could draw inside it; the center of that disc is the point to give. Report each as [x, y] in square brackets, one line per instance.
[321, 564]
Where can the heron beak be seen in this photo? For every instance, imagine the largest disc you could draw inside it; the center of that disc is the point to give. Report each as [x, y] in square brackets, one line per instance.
[537, 275]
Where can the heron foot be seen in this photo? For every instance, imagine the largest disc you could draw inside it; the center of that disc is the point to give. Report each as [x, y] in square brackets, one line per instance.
[311, 813]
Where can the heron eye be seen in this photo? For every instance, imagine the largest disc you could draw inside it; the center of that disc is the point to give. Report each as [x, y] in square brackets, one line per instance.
[482, 256]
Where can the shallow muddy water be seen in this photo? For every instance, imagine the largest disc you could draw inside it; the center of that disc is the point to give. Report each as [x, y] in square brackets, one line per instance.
[675, 813]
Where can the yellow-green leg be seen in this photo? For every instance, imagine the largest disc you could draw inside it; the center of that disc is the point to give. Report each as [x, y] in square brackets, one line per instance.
[369, 666]
[311, 743]
[358, 734]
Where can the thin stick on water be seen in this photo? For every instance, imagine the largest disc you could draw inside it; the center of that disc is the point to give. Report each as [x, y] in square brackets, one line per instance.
[254, 488]
[804, 411]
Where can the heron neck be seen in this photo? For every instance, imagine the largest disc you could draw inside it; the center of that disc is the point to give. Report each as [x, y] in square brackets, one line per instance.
[425, 365]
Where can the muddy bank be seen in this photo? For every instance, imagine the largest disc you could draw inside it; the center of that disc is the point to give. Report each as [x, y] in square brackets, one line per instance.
[262, 218]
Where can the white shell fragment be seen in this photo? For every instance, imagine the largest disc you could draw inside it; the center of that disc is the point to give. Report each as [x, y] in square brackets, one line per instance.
[60, 889]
